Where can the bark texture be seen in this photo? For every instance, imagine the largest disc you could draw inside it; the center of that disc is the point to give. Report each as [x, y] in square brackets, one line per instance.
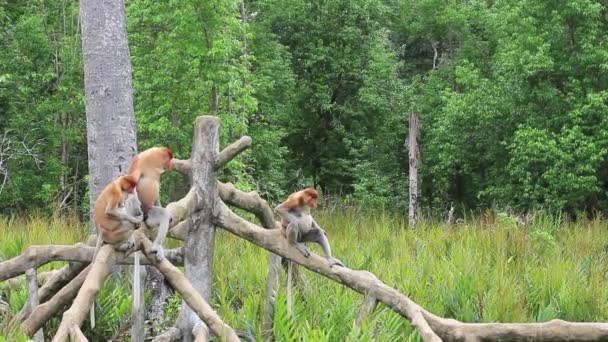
[32, 298]
[190, 295]
[414, 160]
[111, 134]
[198, 247]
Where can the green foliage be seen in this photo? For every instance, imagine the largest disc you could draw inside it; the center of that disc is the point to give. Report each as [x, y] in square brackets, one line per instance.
[511, 94]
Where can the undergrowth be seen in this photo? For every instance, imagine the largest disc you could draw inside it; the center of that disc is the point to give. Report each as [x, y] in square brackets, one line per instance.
[495, 271]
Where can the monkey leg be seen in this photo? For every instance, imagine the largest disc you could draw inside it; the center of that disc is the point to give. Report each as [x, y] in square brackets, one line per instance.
[293, 232]
[318, 235]
[159, 219]
[126, 245]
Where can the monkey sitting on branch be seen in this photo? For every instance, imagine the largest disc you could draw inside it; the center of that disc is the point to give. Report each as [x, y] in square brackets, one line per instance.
[299, 225]
[117, 213]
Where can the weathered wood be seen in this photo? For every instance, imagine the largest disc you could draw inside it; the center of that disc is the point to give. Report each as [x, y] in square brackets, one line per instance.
[45, 311]
[201, 333]
[367, 308]
[190, 295]
[182, 165]
[414, 160]
[231, 151]
[199, 244]
[360, 281]
[32, 298]
[155, 283]
[100, 269]
[111, 131]
[252, 202]
[18, 282]
[76, 335]
[554, 330]
[37, 256]
[139, 304]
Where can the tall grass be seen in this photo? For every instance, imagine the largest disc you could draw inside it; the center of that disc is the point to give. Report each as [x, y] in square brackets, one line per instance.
[491, 272]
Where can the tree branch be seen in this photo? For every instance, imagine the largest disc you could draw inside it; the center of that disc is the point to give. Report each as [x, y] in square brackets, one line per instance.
[231, 151]
[45, 311]
[36, 256]
[181, 165]
[194, 300]
[104, 261]
[360, 281]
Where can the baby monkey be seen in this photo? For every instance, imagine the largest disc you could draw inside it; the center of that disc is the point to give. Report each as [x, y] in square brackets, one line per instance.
[299, 226]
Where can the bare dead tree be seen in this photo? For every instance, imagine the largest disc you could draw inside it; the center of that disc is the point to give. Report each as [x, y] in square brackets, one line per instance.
[14, 147]
[414, 161]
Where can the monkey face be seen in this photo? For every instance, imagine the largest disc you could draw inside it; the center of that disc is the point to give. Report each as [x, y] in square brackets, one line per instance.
[168, 164]
[312, 196]
[312, 202]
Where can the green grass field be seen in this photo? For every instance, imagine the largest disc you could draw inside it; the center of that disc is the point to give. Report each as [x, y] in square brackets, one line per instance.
[496, 272]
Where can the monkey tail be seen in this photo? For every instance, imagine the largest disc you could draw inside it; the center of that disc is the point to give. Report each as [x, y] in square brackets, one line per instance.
[136, 283]
[92, 312]
[289, 281]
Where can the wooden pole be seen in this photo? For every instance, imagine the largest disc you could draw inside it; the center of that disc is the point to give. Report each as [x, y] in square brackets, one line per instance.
[32, 298]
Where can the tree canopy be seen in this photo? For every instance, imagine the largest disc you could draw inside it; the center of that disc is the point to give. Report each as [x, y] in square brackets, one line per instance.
[512, 96]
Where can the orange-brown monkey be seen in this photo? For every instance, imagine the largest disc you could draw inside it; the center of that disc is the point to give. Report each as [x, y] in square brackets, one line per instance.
[114, 222]
[299, 225]
[147, 167]
[117, 213]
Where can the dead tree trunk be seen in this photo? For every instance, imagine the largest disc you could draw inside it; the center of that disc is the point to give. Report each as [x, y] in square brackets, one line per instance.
[414, 159]
[198, 247]
[111, 137]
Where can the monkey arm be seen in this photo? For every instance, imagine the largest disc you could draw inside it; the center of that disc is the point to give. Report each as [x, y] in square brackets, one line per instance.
[118, 214]
[293, 235]
[322, 240]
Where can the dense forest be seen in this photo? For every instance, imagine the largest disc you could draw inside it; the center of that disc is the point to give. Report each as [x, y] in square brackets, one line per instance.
[512, 95]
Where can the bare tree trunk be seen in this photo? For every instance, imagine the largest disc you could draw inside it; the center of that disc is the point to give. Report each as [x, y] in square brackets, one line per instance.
[414, 159]
[198, 247]
[111, 136]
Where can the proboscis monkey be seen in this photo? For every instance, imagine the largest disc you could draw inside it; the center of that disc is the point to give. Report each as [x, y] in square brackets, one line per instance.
[115, 222]
[299, 225]
[146, 168]
[117, 213]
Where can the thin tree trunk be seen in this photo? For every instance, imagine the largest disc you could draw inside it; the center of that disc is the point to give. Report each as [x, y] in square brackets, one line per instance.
[414, 159]
[214, 100]
[111, 135]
